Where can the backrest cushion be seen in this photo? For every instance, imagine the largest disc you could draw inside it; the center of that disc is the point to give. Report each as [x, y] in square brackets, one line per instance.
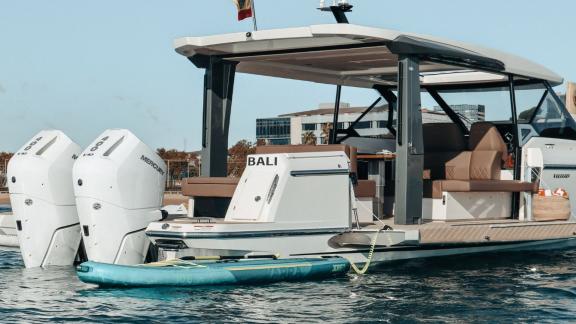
[436, 163]
[484, 136]
[443, 137]
[485, 165]
[458, 168]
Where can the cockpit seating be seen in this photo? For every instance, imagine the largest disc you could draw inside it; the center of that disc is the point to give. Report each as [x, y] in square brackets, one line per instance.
[476, 171]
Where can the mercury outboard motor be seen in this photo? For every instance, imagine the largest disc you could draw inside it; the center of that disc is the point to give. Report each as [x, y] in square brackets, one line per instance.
[119, 186]
[42, 199]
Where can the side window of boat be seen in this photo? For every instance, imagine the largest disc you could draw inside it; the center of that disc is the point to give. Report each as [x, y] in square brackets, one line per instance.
[528, 99]
[541, 111]
[552, 120]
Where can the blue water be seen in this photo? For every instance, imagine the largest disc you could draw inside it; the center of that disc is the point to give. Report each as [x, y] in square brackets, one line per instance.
[497, 288]
[5, 208]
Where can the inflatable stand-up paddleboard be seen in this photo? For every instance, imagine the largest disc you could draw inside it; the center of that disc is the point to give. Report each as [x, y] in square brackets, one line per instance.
[189, 273]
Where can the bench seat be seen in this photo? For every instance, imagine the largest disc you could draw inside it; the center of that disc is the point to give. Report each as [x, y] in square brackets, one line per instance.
[435, 189]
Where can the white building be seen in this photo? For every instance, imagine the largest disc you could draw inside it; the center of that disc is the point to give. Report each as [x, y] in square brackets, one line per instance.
[291, 128]
[318, 122]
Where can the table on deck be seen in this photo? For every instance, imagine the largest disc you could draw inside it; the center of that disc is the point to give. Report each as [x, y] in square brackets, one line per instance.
[381, 170]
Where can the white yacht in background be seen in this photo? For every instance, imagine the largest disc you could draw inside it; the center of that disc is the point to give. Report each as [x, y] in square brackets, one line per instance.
[8, 231]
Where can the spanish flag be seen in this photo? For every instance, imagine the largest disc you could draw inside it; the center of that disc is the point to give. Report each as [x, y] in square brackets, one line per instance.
[244, 8]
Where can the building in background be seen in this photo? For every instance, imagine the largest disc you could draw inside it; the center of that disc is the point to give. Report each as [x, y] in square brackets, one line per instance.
[275, 131]
[470, 113]
[313, 126]
[300, 127]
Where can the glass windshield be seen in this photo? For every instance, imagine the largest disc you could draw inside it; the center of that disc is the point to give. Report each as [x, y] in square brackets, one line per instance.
[542, 109]
[528, 99]
[482, 104]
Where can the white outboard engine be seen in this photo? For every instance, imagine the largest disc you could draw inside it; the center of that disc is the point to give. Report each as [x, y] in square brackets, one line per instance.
[119, 186]
[42, 199]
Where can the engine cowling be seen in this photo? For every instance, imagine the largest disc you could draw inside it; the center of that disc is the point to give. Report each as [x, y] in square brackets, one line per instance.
[42, 199]
[119, 187]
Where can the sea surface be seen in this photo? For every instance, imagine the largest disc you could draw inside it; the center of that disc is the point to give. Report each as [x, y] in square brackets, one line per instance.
[501, 288]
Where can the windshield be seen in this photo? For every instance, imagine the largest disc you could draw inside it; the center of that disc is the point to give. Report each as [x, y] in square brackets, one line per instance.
[482, 104]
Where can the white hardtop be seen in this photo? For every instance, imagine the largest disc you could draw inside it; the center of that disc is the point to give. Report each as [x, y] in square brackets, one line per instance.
[341, 58]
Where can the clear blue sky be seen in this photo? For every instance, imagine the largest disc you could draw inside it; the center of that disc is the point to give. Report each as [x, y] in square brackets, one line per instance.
[85, 66]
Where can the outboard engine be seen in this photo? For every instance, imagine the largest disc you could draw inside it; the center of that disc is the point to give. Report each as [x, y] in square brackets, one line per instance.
[42, 199]
[119, 186]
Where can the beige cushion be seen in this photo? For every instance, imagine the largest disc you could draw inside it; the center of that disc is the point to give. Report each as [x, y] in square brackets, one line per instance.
[365, 189]
[485, 136]
[485, 165]
[434, 189]
[443, 137]
[209, 187]
[436, 163]
[458, 168]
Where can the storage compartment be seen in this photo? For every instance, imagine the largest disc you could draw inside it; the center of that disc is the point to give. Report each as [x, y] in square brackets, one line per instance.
[550, 208]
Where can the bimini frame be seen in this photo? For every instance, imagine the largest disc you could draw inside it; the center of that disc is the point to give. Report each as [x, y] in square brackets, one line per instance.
[272, 53]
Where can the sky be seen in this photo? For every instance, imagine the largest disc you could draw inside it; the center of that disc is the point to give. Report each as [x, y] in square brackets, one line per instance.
[86, 66]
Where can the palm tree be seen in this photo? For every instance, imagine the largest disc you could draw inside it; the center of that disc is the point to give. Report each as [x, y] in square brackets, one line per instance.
[309, 138]
[326, 128]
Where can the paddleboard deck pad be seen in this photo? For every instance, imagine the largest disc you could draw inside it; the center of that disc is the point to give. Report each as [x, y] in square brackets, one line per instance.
[185, 273]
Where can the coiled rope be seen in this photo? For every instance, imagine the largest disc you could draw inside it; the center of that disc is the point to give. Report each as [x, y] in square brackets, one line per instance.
[370, 256]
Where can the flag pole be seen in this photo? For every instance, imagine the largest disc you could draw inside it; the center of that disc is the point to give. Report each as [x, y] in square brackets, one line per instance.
[254, 15]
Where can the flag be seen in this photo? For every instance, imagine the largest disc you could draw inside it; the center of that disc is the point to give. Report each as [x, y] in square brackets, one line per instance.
[244, 8]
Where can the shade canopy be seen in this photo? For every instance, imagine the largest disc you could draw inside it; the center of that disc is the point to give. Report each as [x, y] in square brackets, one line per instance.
[359, 56]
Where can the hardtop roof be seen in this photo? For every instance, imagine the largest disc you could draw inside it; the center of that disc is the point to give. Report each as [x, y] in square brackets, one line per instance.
[359, 56]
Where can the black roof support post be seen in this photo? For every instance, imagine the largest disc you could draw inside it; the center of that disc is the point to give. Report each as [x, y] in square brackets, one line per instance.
[218, 89]
[409, 143]
[517, 148]
[334, 131]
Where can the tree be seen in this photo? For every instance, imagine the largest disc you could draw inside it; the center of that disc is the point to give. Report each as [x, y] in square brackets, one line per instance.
[181, 164]
[326, 129]
[4, 158]
[309, 138]
[237, 157]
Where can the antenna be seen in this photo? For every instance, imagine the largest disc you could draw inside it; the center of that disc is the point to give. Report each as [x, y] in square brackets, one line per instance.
[338, 8]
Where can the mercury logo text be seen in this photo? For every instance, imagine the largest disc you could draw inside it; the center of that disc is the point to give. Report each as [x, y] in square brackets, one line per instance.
[153, 164]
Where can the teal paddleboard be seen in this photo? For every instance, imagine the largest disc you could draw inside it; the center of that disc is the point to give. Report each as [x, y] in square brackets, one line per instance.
[185, 273]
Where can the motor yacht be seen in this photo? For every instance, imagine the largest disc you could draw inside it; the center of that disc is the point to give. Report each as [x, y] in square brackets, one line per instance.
[479, 179]
[461, 186]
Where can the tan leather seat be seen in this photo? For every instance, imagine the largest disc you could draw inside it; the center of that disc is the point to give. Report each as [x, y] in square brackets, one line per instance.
[365, 189]
[219, 187]
[435, 189]
[484, 136]
[479, 168]
[442, 143]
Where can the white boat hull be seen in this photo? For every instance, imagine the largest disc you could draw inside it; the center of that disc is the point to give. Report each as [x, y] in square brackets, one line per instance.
[316, 246]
